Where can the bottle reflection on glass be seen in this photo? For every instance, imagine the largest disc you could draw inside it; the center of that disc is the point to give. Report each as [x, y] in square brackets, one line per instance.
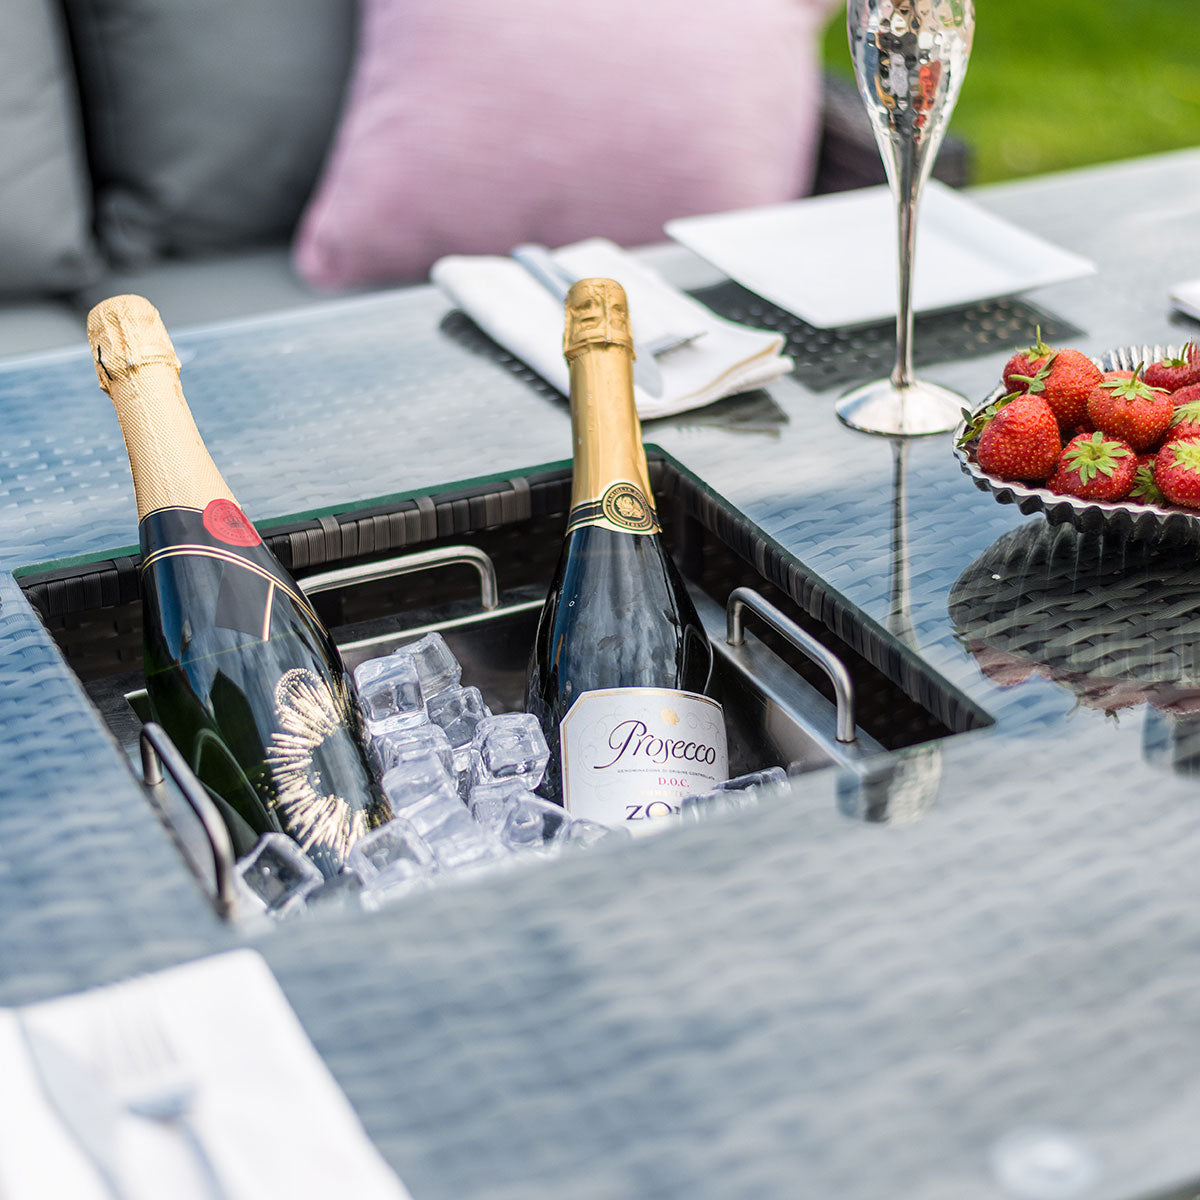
[907, 786]
[1171, 738]
[909, 58]
[239, 669]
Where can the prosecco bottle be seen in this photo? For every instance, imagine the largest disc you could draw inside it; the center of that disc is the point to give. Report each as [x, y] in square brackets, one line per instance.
[620, 664]
[239, 669]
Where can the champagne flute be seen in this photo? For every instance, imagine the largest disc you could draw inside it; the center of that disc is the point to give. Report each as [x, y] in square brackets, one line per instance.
[909, 58]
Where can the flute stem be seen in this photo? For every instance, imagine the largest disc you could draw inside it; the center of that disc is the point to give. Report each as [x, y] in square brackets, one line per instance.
[907, 197]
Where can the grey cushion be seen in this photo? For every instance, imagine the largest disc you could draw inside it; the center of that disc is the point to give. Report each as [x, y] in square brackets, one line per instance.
[207, 120]
[187, 292]
[216, 288]
[29, 326]
[45, 242]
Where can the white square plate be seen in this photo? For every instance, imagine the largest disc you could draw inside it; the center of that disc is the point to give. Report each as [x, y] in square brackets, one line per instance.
[831, 260]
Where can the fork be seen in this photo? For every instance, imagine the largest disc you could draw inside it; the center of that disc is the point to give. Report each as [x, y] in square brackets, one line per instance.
[145, 1075]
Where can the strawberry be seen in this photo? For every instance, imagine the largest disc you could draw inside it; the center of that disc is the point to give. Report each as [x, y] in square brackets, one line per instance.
[1145, 490]
[1021, 441]
[1026, 362]
[1130, 409]
[1177, 472]
[1175, 371]
[976, 423]
[1185, 421]
[1095, 468]
[1064, 382]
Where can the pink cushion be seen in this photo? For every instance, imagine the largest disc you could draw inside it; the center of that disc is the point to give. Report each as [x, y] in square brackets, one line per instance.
[471, 126]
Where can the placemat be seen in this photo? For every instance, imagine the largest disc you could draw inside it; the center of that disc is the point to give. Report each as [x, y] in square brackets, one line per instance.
[827, 358]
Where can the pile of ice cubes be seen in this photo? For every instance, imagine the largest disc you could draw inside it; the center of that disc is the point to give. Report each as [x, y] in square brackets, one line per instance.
[460, 781]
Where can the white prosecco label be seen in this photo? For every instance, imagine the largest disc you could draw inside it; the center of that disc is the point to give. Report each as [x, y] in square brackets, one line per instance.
[630, 755]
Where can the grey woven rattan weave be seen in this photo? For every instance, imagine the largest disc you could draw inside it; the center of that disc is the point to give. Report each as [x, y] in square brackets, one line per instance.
[861, 989]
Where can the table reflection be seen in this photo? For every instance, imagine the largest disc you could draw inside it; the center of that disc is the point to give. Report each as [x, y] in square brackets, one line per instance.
[1114, 621]
[904, 789]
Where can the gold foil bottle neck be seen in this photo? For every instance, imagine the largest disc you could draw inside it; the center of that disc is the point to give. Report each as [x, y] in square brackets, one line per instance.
[610, 486]
[125, 333]
[137, 367]
[597, 315]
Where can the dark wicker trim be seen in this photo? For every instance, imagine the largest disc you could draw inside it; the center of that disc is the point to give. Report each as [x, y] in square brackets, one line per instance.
[313, 543]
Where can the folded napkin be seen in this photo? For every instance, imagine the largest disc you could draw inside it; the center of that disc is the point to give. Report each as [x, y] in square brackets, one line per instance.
[270, 1115]
[515, 310]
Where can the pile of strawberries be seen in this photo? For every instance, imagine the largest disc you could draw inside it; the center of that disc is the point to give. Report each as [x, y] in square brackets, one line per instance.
[1076, 430]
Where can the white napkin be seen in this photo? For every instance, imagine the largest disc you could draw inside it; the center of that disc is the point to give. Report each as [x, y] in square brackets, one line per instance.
[519, 313]
[271, 1116]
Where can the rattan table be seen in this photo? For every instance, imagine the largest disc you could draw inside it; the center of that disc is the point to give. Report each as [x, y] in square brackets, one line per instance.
[971, 974]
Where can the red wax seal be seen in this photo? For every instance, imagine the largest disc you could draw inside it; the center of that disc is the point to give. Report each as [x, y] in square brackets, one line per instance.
[228, 524]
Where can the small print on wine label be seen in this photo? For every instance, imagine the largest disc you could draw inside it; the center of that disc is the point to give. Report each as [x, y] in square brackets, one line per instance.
[630, 755]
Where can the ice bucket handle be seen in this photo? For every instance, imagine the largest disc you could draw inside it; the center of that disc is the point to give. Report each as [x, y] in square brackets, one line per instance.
[406, 564]
[159, 754]
[744, 598]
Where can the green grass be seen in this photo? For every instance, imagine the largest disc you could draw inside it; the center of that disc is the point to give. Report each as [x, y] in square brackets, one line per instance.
[1055, 84]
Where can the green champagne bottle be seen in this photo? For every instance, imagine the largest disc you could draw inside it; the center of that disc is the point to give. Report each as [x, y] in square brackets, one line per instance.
[240, 670]
[620, 663]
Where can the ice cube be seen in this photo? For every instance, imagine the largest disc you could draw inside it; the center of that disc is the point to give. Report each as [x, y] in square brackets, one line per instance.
[490, 802]
[401, 745]
[415, 778]
[583, 834]
[768, 775]
[733, 795]
[420, 790]
[279, 873]
[395, 848]
[392, 861]
[458, 710]
[442, 807]
[715, 803]
[388, 687]
[413, 719]
[371, 669]
[510, 746]
[339, 891]
[532, 823]
[437, 668]
[459, 846]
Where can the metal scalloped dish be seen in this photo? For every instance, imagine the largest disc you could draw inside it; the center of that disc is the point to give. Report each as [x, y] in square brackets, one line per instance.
[1143, 521]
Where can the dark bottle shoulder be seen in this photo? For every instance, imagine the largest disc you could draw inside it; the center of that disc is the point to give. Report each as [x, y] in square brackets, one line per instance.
[207, 596]
[618, 615]
[223, 533]
[183, 541]
[600, 565]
